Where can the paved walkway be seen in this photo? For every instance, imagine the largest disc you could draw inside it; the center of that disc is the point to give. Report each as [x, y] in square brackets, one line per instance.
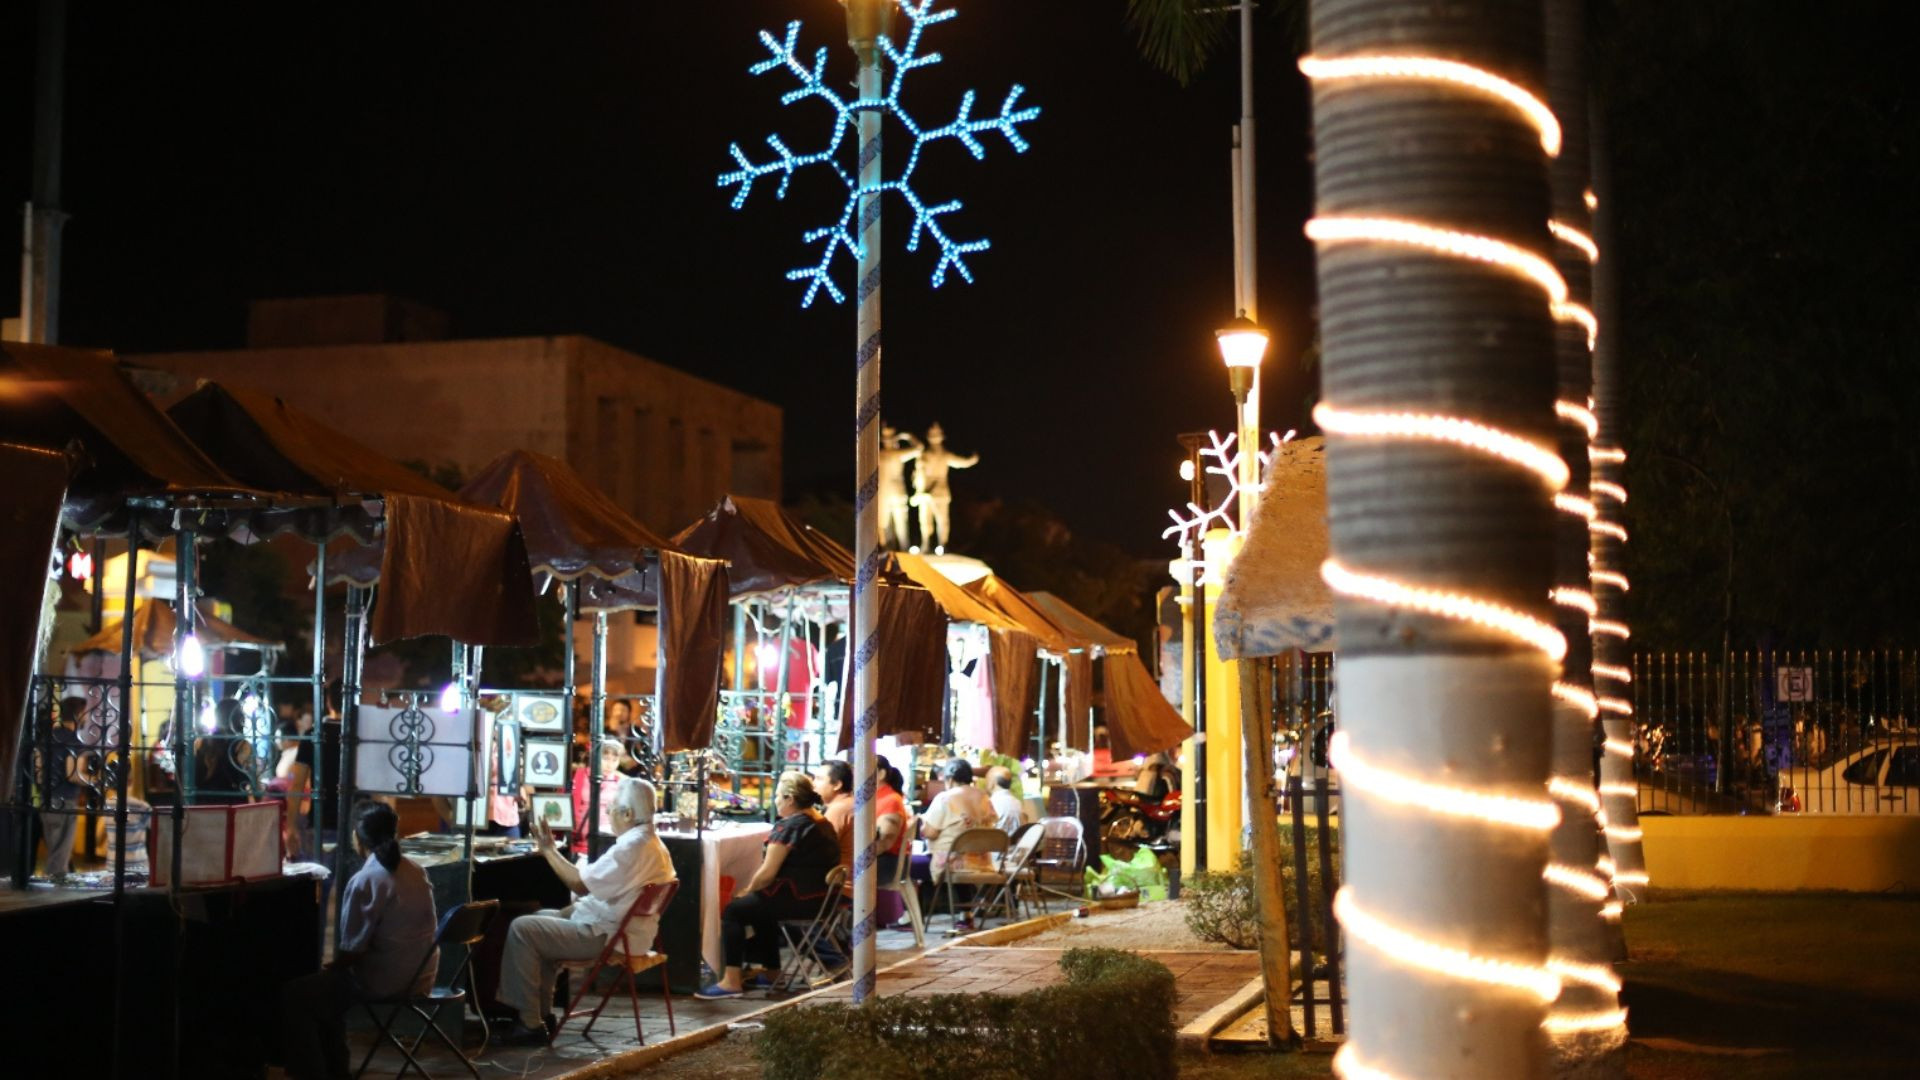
[1202, 979]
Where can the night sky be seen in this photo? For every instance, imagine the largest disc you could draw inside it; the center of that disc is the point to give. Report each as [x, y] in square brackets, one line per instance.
[546, 169]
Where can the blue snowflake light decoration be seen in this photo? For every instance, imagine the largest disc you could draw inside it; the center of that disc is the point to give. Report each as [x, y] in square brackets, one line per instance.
[964, 128]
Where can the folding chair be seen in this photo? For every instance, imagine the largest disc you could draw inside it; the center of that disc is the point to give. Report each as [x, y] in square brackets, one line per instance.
[902, 884]
[987, 841]
[1063, 855]
[651, 903]
[1014, 866]
[464, 925]
[805, 937]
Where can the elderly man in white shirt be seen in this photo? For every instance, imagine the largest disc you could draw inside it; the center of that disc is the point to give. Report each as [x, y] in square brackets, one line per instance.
[606, 888]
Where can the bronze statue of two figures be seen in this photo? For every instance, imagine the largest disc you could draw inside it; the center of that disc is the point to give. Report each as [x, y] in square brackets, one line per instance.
[931, 498]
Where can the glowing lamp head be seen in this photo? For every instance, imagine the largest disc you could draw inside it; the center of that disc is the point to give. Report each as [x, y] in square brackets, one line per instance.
[192, 661]
[1186, 470]
[80, 566]
[767, 656]
[1243, 344]
[450, 698]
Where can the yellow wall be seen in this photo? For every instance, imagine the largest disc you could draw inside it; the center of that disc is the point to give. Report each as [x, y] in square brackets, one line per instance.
[1854, 854]
[1224, 752]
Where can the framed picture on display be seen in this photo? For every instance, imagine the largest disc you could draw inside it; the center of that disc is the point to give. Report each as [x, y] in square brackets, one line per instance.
[554, 809]
[546, 763]
[541, 714]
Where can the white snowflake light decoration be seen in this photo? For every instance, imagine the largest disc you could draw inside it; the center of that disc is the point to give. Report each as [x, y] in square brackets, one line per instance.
[1224, 455]
[842, 234]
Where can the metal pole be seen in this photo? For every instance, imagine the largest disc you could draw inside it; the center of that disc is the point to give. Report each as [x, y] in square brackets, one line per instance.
[1248, 250]
[1196, 812]
[353, 643]
[597, 730]
[866, 21]
[318, 782]
[124, 739]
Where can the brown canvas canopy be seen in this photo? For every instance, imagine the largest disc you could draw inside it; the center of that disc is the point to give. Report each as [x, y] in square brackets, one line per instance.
[153, 628]
[445, 566]
[575, 533]
[766, 548]
[30, 501]
[1022, 609]
[1139, 719]
[912, 672]
[959, 604]
[81, 402]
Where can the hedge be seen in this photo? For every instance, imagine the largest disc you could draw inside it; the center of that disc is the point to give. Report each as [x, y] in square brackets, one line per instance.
[1113, 1016]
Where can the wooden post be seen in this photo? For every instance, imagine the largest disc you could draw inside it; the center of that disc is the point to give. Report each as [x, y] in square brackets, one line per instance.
[1276, 968]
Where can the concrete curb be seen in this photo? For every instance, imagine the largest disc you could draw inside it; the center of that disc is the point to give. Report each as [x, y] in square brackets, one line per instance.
[1198, 1034]
[631, 1060]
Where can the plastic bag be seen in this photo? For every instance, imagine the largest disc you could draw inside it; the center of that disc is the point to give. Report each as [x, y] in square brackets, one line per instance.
[1142, 874]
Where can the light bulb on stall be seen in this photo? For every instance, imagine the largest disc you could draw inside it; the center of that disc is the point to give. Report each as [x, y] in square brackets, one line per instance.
[192, 661]
[450, 698]
[249, 705]
[209, 717]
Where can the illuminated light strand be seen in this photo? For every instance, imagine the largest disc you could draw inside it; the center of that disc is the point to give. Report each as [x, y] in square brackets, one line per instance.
[1579, 697]
[1576, 881]
[1608, 528]
[1614, 672]
[1616, 706]
[1612, 579]
[1586, 1023]
[1482, 249]
[1570, 235]
[1578, 414]
[1567, 311]
[1577, 506]
[1607, 455]
[1624, 833]
[1348, 1066]
[1632, 877]
[1491, 441]
[1417, 952]
[1402, 790]
[1605, 866]
[1611, 490]
[1610, 628]
[1618, 747]
[1434, 69]
[1599, 976]
[1448, 605]
[1592, 200]
[1620, 790]
[1611, 910]
[1574, 791]
[1575, 598]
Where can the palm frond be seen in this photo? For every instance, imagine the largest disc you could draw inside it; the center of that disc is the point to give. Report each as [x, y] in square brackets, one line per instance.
[1177, 36]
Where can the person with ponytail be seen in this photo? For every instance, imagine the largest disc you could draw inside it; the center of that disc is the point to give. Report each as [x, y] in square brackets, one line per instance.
[387, 924]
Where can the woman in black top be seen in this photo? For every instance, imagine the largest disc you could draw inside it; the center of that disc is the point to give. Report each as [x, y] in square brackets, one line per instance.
[790, 884]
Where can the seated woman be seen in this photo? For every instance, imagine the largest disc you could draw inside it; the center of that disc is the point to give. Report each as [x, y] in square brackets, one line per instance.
[387, 926]
[790, 884]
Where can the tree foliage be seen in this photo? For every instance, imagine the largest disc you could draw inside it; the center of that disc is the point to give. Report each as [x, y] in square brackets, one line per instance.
[1762, 159]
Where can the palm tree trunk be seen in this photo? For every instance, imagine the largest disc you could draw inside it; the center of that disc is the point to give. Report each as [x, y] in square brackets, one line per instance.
[1438, 393]
[1585, 1027]
[1619, 791]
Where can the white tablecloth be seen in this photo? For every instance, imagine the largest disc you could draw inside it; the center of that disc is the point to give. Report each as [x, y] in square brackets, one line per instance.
[732, 850]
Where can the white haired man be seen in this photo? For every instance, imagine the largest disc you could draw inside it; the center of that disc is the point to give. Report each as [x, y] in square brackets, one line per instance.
[605, 887]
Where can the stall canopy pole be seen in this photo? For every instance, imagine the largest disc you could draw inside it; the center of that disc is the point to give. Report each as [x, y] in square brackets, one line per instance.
[353, 644]
[183, 687]
[124, 740]
[597, 725]
[318, 782]
[479, 797]
[780, 688]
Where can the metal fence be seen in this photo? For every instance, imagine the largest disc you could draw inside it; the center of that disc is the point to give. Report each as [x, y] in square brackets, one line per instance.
[1778, 731]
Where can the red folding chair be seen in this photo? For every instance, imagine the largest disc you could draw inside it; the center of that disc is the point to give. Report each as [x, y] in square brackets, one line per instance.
[651, 902]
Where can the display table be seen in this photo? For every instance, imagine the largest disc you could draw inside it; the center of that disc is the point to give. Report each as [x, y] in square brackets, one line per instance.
[690, 929]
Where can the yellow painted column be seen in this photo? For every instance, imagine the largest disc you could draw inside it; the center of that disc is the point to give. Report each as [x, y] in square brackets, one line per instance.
[1224, 763]
[1188, 857]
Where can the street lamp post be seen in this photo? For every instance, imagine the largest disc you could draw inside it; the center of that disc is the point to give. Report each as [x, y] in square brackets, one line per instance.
[1243, 344]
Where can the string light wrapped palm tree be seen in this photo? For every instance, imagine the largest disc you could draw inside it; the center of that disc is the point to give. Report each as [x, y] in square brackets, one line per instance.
[1430, 158]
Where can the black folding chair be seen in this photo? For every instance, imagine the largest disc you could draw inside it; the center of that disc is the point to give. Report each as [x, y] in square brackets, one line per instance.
[464, 925]
[813, 941]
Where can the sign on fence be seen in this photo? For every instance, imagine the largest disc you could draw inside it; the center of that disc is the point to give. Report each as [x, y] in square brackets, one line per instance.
[1793, 683]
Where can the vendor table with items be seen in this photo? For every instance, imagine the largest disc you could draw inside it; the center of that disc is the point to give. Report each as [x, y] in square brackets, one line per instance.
[690, 929]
